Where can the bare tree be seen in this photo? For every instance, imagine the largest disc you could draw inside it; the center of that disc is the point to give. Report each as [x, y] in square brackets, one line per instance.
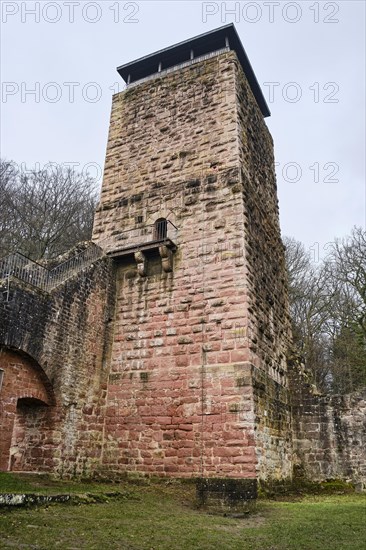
[346, 266]
[47, 211]
[347, 263]
[8, 183]
[328, 309]
[309, 306]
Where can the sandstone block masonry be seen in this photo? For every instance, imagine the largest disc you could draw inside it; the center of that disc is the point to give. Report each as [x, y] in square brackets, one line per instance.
[329, 432]
[54, 380]
[168, 355]
[198, 353]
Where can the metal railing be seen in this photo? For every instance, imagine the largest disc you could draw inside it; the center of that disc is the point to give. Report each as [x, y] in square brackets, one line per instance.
[181, 65]
[160, 231]
[19, 266]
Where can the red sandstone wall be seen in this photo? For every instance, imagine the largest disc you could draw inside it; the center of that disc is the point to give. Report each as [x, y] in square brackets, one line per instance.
[178, 400]
[66, 332]
[23, 379]
[180, 397]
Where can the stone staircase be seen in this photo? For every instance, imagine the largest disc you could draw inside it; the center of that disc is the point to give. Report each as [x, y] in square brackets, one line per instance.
[20, 267]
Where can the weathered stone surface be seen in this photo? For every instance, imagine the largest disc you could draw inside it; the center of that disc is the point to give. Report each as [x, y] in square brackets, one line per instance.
[329, 433]
[204, 161]
[54, 373]
[171, 359]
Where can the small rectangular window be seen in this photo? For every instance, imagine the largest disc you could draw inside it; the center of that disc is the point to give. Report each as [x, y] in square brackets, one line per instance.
[139, 219]
[1, 377]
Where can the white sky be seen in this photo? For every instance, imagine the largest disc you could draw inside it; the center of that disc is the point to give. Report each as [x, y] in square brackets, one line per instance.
[305, 50]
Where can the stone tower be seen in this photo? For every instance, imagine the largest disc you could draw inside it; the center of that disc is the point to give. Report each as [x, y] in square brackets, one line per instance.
[163, 351]
[189, 212]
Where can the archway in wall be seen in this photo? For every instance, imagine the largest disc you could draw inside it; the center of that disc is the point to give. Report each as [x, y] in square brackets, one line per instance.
[26, 407]
[29, 437]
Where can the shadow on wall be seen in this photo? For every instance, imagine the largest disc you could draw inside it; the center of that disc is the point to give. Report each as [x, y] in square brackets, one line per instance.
[27, 404]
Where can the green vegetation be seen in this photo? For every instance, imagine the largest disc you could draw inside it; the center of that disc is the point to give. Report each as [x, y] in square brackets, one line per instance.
[46, 485]
[301, 486]
[162, 515]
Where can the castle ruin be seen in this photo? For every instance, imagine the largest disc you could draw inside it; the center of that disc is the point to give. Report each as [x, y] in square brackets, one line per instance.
[163, 347]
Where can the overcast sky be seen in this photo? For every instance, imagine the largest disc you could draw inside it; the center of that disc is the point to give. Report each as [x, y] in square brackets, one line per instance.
[309, 58]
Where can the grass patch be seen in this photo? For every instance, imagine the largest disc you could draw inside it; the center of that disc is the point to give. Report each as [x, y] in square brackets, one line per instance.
[162, 516]
[300, 487]
[46, 485]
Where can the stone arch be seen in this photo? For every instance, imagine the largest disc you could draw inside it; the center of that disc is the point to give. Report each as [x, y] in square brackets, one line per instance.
[26, 406]
[162, 213]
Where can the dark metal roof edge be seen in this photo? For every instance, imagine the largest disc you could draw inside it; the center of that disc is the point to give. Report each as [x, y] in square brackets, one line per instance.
[177, 45]
[250, 74]
[237, 47]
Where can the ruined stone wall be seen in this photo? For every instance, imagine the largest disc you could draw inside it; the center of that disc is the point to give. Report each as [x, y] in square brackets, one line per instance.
[63, 335]
[180, 396]
[329, 434]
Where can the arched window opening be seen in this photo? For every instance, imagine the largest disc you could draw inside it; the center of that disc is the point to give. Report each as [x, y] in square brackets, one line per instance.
[160, 229]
